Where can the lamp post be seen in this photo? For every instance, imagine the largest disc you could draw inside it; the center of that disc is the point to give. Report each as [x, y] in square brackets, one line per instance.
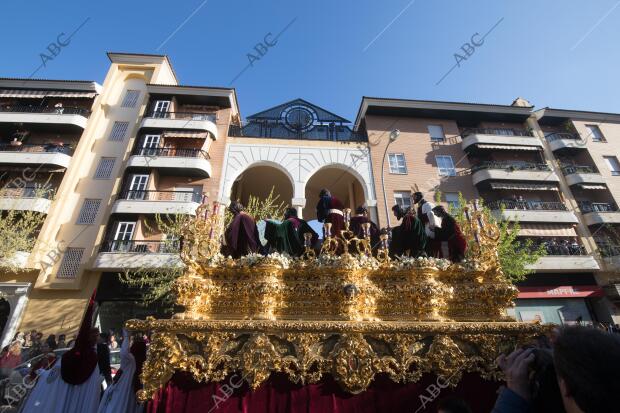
[393, 136]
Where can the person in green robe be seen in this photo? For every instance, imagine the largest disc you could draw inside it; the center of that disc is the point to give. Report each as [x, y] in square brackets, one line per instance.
[288, 236]
[409, 238]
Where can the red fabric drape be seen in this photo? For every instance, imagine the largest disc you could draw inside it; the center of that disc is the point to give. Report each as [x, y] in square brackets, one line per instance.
[279, 395]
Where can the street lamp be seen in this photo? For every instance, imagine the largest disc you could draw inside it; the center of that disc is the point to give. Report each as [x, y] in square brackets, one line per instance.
[393, 136]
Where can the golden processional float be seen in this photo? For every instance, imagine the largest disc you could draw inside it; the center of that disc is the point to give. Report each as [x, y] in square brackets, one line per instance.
[352, 315]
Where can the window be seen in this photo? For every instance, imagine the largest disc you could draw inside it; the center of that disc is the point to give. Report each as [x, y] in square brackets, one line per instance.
[124, 231]
[436, 132]
[452, 198]
[137, 186]
[613, 164]
[397, 163]
[89, 210]
[161, 108]
[105, 167]
[403, 199]
[445, 165]
[131, 98]
[70, 263]
[119, 129]
[150, 143]
[595, 132]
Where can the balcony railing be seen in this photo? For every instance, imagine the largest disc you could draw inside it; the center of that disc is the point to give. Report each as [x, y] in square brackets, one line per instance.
[183, 115]
[279, 131]
[562, 135]
[141, 247]
[609, 250]
[511, 166]
[527, 205]
[578, 169]
[588, 206]
[27, 192]
[178, 152]
[47, 148]
[496, 131]
[66, 110]
[564, 247]
[182, 196]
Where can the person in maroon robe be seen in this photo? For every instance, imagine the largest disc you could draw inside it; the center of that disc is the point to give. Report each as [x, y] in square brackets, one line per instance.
[361, 217]
[449, 233]
[241, 236]
[329, 209]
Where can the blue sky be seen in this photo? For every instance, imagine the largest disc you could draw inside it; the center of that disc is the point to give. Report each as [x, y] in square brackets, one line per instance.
[556, 53]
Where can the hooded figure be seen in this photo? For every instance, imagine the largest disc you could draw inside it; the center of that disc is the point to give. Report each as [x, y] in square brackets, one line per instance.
[329, 209]
[409, 238]
[453, 243]
[361, 217]
[72, 385]
[288, 236]
[241, 237]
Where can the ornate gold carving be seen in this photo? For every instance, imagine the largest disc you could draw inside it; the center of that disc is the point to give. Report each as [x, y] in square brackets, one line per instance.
[351, 315]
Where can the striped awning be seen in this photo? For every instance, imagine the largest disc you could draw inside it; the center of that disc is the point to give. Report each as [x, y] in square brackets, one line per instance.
[508, 147]
[185, 134]
[39, 94]
[523, 186]
[591, 186]
[546, 230]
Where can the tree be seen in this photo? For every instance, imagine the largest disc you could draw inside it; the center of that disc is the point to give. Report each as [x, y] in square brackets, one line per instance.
[18, 232]
[514, 254]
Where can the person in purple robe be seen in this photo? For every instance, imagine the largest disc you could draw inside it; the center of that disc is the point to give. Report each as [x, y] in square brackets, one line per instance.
[361, 217]
[241, 236]
[329, 210]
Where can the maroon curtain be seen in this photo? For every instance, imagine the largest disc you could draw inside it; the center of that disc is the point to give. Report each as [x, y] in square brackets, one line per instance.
[278, 394]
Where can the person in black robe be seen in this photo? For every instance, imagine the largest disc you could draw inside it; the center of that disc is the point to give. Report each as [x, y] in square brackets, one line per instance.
[329, 209]
[355, 226]
[288, 236]
[241, 236]
[453, 243]
[409, 238]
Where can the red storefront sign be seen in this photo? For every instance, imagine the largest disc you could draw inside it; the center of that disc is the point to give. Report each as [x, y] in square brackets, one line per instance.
[564, 291]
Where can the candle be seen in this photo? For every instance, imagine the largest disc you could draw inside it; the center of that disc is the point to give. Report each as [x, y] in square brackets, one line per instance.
[211, 233]
[366, 228]
[307, 239]
[327, 229]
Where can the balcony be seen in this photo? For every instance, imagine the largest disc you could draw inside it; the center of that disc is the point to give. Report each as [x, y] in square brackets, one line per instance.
[277, 130]
[181, 120]
[585, 175]
[562, 140]
[123, 255]
[174, 161]
[532, 211]
[512, 171]
[26, 199]
[599, 212]
[564, 256]
[503, 138]
[40, 114]
[157, 202]
[50, 154]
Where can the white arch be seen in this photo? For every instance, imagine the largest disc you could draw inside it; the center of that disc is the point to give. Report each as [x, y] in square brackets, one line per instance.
[345, 168]
[237, 174]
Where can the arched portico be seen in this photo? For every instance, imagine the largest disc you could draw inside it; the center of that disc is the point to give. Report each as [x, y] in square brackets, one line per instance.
[300, 164]
[342, 182]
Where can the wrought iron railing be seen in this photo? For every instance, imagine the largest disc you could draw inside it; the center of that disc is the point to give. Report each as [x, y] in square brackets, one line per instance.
[527, 205]
[141, 247]
[609, 250]
[183, 115]
[578, 169]
[67, 150]
[65, 110]
[562, 135]
[564, 247]
[178, 152]
[182, 196]
[511, 166]
[279, 131]
[27, 192]
[588, 206]
[496, 131]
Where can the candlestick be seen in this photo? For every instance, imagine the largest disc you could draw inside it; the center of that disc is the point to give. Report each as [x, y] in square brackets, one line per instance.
[347, 217]
[366, 229]
[327, 229]
[307, 239]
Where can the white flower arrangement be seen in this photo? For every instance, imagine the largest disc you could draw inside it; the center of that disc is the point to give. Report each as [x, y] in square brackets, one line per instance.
[404, 262]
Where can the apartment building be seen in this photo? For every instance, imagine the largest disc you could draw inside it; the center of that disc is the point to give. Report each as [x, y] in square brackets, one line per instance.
[101, 161]
[547, 169]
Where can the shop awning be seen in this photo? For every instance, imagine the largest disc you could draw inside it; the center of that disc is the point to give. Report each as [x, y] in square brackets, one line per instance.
[507, 147]
[39, 94]
[523, 186]
[564, 291]
[546, 230]
[185, 134]
[592, 186]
